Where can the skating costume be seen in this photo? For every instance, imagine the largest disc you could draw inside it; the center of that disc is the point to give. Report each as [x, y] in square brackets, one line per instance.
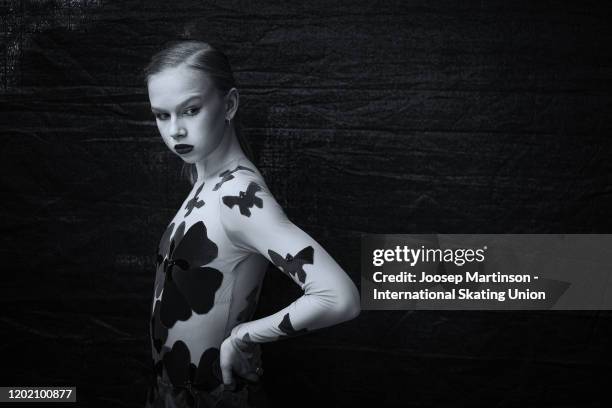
[211, 261]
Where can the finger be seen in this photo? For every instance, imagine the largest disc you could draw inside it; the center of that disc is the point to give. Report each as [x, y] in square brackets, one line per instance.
[256, 364]
[226, 372]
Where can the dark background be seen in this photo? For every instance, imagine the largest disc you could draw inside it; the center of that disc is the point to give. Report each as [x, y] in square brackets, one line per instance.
[385, 117]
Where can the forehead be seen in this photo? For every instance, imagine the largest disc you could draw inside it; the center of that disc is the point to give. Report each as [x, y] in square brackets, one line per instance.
[170, 87]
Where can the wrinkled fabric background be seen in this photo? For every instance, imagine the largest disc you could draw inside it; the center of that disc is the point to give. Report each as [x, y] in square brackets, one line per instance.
[380, 117]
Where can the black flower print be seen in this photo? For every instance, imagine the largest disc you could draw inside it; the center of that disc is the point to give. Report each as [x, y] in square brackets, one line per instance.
[174, 306]
[178, 364]
[193, 202]
[208, 374]
[189, 285]
[199, 286]
[293, 265]
[227, 176]
[183, 373]
[164, 244]
[245, 199]
[286, 327]
[162, 252]
[159, 332]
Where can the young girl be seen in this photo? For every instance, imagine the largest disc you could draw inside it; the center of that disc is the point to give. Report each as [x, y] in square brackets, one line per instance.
[213, 255]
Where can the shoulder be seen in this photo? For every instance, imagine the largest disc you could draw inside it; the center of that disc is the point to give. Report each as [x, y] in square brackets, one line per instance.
[244, 193]
[249, 213]
[238, 176]
[246, 202]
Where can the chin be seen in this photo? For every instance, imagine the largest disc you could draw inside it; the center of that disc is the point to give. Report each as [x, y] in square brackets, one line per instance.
[191, 158]
[188, 160]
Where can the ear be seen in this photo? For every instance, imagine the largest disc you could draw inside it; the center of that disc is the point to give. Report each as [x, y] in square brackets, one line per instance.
[232, 100]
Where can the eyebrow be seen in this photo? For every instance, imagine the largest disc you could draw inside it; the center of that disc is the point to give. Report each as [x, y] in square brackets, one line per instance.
[180, 105]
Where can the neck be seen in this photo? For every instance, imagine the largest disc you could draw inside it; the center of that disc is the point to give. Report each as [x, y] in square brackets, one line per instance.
[228, 150]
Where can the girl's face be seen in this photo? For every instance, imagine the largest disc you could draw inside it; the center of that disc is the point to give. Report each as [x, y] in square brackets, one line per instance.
[189, 111]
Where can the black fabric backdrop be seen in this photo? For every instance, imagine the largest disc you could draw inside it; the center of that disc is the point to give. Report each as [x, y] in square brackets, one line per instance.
[386, 117]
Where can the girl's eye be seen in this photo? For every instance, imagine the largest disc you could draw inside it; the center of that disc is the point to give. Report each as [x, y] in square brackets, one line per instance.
[192, 111]
[161, 116]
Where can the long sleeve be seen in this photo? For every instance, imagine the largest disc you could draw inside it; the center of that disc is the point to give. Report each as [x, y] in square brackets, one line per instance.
[254, 221]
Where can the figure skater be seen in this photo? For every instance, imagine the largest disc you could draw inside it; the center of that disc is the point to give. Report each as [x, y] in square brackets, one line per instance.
[212, 257]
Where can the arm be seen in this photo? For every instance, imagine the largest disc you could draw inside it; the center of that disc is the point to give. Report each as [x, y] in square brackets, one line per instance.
[260, 225]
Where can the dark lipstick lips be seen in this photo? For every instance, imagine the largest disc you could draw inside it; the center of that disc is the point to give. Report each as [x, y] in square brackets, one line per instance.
[183, 148]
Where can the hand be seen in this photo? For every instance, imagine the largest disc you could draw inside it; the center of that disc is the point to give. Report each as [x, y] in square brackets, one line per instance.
[241, 358]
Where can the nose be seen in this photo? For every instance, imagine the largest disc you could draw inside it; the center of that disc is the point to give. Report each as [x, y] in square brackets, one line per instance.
[177, 131]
